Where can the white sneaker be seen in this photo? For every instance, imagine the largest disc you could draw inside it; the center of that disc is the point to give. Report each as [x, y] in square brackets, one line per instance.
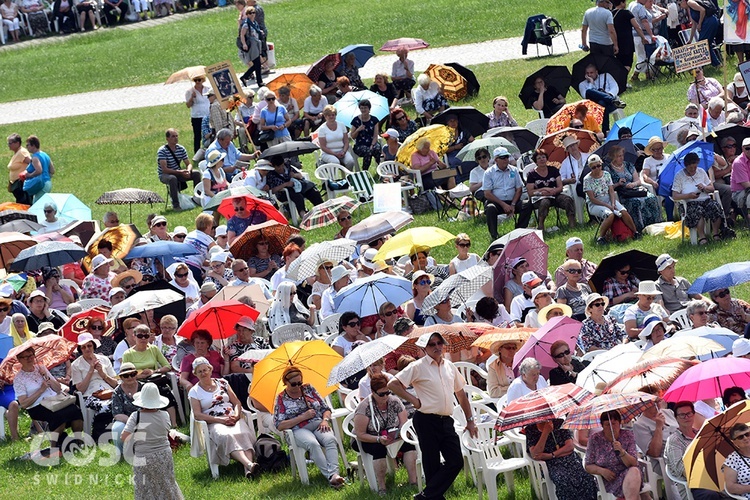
[552, 229]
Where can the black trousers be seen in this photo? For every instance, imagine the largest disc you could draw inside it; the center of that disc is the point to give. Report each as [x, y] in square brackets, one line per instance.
[437, 435]
[111, 14]
[492, 210]
[197, 133]
[254, 69]
[311, 193]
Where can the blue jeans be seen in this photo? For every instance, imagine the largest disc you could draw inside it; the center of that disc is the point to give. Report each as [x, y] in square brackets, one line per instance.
[709, 30]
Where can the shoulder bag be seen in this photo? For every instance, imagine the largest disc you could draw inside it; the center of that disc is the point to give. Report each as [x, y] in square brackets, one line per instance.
[268, 135]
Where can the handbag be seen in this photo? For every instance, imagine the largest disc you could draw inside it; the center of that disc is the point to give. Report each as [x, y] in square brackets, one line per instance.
[636, 192]
[268, 135]
[104, 394]
[420, 203]
[34, 185]
[58, 401]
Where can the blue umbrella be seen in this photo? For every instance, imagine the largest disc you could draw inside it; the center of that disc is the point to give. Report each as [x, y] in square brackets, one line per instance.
[161, 249]
[362, 53]
[724, 276]
[6, 344]
[366, 295]
[643, 126]
[723, 336]
[69, 208]
[705, 152]
[47, 254]
[347, 108]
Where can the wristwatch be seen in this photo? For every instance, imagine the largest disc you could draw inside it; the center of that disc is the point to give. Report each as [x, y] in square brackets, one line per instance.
[470, 419]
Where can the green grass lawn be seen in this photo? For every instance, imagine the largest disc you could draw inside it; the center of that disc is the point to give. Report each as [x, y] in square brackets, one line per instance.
[303, 30]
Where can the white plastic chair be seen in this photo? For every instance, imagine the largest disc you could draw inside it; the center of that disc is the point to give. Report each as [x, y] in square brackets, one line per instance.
[296, 457]
[352, 400]
[200, 441]
[289, 333]
[390, 169]
[72, 284]
[681, 483]
[290, 207]
[181, 410]
[732, 495]
[409, 435]
[647, 488]
[681, 318]
[332, 172]
[87, 304]
[465, 368]
[330, 325]
[88, 414]
[2, 423]
[670, 487]
[538, 126]
[543, 484]
[489, 462]
[365, 465]
[329, 340]
[707, 223]
[580, 203]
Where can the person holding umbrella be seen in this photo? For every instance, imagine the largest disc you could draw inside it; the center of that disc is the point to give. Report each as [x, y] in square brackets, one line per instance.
[546, 99]
[402, 74]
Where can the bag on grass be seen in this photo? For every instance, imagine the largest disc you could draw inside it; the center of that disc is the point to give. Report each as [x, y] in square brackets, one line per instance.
[419, 203]
[620, 231]
[270, 456]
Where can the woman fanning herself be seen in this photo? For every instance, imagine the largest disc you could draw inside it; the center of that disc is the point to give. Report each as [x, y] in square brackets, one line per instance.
[213, 401]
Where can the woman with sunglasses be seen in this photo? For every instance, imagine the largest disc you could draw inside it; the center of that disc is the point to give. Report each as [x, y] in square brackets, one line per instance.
[322, 283]
[349, 333]
[464, 260]
[736, 468]
[599, 330]
[344, 218]
[105, 345]
[573, 293]
[729, 312]
[621, 287]
[148, 358]
[601, 198]
[286, 308]
[500, 370]
[122, 400]
[377, 423]
[185, 283]
[400, 121]
[420, 288]
[300, 408]
[263, 264]
[647, 304]
[276, 119]
[567, 368]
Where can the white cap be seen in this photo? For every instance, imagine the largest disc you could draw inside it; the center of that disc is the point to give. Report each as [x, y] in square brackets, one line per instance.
[537, 290]
[221, 230]
[391, 132]
[99, 261]
[571, 242]
[338, 272]
[500, 151]
[115, 291]
[663, 261]
[180, 230]
[425, 338]
[530, 278]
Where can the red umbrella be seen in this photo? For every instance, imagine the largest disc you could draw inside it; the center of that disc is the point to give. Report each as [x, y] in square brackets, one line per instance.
[318, 67]
[629, 406]
[458, 335]
[541, 405]
[655, 374]
[53, 236]
[77, 323]
[404, 43]
[540, 343]
[226, 208]
[50, 350]
[219, 318]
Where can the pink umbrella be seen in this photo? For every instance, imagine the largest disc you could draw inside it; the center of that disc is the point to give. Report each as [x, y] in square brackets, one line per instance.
[540, 343]
[709, 379]
[53, 236]
[404, 43]
[319, 66]
[531, 247]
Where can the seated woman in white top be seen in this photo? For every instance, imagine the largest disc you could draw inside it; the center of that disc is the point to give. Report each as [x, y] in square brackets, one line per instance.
[334, 140]
[529, 380]
[428, 99]
[464, 260]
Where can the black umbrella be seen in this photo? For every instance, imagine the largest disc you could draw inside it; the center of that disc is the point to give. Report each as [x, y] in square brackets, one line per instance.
[631, 154]
[20, 226]
[9, 215]
[84, 229]
[290, 148]
[554, 76]
[642, 265]
[604, 64]
[471, 79]
[47, 254]
[129, 196]
[471, 120]
[738, 132]
[525, 139]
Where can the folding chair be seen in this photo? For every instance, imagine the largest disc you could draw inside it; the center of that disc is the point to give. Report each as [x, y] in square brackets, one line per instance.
[544, 30]
[361, 184]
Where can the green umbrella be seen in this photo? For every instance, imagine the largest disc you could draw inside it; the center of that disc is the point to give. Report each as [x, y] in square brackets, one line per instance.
[467, 153]
[235, 191]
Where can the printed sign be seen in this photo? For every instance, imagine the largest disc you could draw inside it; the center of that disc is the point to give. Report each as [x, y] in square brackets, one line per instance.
[691, 56]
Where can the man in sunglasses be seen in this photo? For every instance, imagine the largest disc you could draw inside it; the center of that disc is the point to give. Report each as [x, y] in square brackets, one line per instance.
[674, 289]
[502, 187]
[436, 382]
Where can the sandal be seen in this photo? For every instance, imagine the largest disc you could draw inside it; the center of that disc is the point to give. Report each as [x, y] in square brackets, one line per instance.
[336, 481]
[703, 241]
[717, 237]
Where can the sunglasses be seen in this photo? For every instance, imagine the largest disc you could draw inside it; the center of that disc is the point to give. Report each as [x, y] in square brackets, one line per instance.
[597, 304]
[295, 384]
[242, 270]
[264, 243]
[348, 217]
[327, 268]
[128, 287]
[148, 279]
[721, 294]
[4, 309]
[464, 245]
[574, 271]
[483, 157]
[566, 352]
[495, 254]
[178, 237]
[383, 394]
[438, 343]
[239, 208]
[746, 434]
[424, 282]
[746, 148]
[142, 335]
[128, 375]
[270, 99]
[625, 272]
[352, 324]
[96, 327]
[594, 167]
[402, 117]
[390, 313]
[181, 275]
[160, 224]
[28, 356]
[49, 211]
[730, 146]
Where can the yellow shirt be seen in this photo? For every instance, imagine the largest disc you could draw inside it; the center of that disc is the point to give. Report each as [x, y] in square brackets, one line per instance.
[434, 383]
[17, 163]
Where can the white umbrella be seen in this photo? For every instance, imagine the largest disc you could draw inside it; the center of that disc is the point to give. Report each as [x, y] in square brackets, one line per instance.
[255, 355]
[459, 287]
[378, 225]
[143, 301]
[363, 356]
[673, 128]
[686, 347]
[605, 367]
[366, 295]
[318, 253]
[721, 335]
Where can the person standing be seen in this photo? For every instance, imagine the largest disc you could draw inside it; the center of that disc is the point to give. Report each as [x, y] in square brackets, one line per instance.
[197, 100]
[16, 165]
[599, 26]
[436, 381]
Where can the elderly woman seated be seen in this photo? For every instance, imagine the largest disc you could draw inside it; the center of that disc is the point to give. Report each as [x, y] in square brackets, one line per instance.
[635, 315]
[377, 421]
[736, 468]
[573, 292]
[530, 379]
[643, 209]
[382, 86]
[500, 370]
[611, 453]
[94, 377]
[693, 185]
[547, 442]
[122, 399]
[213, 401]
[427, 161]
[545, 187]
[287, 309]
[729, 312]
[654, 331]
[334, 140]
[599, 330]
[428, 98]
[697, 311]
[301, 409]
[35, 9]
[312, 110]
[601, 198]
[568, 367]
[201, 341]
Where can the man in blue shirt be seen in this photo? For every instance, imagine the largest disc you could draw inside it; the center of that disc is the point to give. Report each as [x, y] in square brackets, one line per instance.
[502, 187]
[223, 144]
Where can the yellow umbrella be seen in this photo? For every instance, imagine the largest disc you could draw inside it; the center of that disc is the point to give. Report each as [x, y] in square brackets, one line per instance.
[453, 84]
[495, 338]
[186, 74]
[440, 136]
[706, 453]
[683, 347]
[314, 358]
[416, 239]
[122, 238]
[299, 85]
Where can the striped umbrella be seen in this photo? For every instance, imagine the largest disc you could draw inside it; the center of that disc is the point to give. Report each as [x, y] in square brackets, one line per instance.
[325, 214]
[541, 405]
[655, 374]
[458, 288]
[629, 406]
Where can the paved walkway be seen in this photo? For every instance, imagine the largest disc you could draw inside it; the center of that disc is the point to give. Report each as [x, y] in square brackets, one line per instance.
[159, 94]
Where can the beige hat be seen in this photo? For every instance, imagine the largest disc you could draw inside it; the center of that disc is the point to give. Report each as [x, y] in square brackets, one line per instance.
[246, 322]
[149, 398]
[542, 316]
[99, 261]
[127, 367]
[651, 143]
[738, 80]
[569, 140]
[593, 297]
[158, 219]
[130, 273]
[44, 326]
[208, 287]
[647, 287]
[39, 293]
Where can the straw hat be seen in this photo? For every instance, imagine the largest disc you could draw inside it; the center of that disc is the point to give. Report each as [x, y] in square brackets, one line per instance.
[593, 297]
[127, 367]
[569, 141]
[565, 308]
[130, 273]
[149, 398]
[651, 143]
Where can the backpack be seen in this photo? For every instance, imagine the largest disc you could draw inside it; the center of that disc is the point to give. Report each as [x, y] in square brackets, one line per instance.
[270, 456]
[621, 232]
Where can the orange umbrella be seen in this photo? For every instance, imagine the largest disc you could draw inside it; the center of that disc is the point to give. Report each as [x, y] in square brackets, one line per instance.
[453, 84]
[186, 74]
[50, 350]
[458, 335]
[11, 244]
[272, 231]
[9, 205]
[561, 119]
[501, 336]
[299, 85]
[122, 238]
[552, 144]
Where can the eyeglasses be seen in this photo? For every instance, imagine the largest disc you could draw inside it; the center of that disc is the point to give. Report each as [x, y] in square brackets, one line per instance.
[482, 157]
[128, 287]
[348, 217]
[502, 157]
[722, 294]
[566, 352]
[96, 327]
[383, 394]
[242, 270]
[239, 208]
[160, 224]
[625, 272]
[510, 347]
[741, 436]
[684, 415]
[327, 268]
[181, 275]
[390, 313]
[352, 324]
[142, 335]
[128, 375]
[701, 313]
[295, 384]
[434, 344]
[424, 282]
[574, 270]
[597, 304]
[148, 279]
[464, 245]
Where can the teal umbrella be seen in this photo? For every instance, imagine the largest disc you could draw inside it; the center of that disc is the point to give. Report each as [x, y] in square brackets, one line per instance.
[69, 208]
[490, 143]
[347, 108]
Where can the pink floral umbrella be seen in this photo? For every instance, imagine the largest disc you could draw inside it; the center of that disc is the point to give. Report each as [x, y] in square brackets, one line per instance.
[540, 343]
[709, 379]
[404, 43]
[531, 247]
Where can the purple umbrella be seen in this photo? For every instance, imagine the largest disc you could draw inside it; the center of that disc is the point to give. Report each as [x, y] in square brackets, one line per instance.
[540, 343]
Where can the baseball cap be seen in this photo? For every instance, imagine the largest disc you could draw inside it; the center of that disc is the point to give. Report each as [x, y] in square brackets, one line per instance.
[221, 230]
[530, 278]
[158, 219]
[500, 152]
[571, 242]
[391, 132]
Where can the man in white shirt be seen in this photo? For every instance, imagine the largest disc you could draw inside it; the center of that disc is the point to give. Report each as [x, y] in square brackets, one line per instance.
[603, 90]
[572, 166]
[523, 303]
[242, 278]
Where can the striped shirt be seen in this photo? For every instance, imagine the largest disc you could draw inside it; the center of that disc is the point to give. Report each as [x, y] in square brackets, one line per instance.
[164, 154]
